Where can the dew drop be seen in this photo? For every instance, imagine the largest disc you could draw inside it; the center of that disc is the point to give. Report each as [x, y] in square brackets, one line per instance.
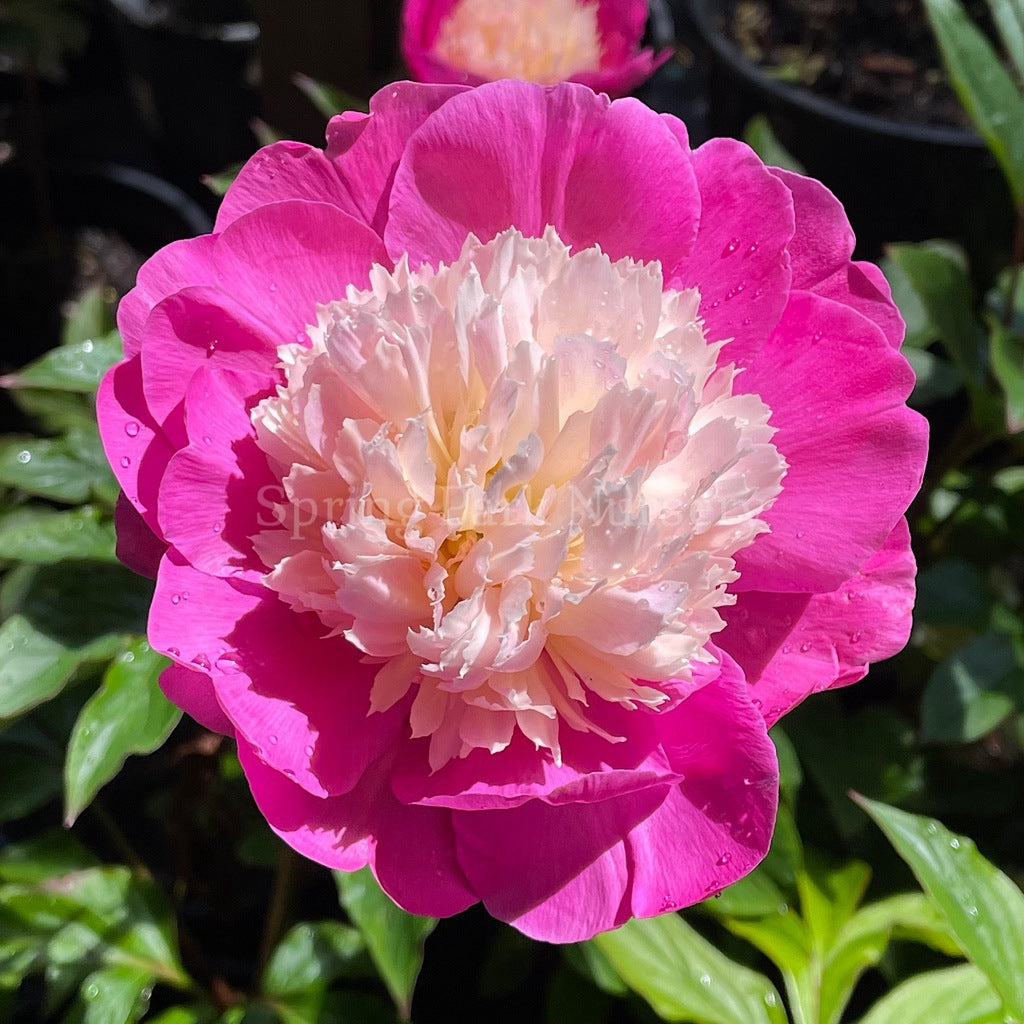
[786, 648]
[174, 652]
[290, 772]
[273, 287]
[92, 991]
[783, 908]
[770, 999]
[87, 347]
[752, 248]
[733, 245]
[125, 461]
[932, 828]
[201, 661]
[705, 980]
[954, 843]
[218, 526]
[723, 860]
[273, 739]
[755, 702]
[800, 534]
[855, 637]
[176, 599]
[207, 439]
[308, 750]
[211, 348]
[804, 648]
[131, 428]
[25, 456]
[972, 911]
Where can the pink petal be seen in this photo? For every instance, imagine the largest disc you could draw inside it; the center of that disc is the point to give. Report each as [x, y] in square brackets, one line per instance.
[284, 259]
[366, 152]
[193, 692]
[283, 171]
[592, 769]
[793, 645]
[138, 547]
[584, 868]
[463, 171]
[740, 260]
[136, 448]
[716, 825]
[247, 640]
[821, 251]
[856, 453]
[411, 849]
[219, 492]
[176, 266]
[198, 327]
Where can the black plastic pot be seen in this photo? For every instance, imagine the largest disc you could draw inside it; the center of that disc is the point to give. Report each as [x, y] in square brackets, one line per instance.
[192, 72]
[899, 182]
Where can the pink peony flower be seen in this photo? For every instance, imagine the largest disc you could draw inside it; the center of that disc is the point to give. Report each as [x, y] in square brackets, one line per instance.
[595, 42]
[506, 471]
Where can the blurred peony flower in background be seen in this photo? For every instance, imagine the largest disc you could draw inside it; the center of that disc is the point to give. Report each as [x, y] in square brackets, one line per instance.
[595, 42]
[506, 471]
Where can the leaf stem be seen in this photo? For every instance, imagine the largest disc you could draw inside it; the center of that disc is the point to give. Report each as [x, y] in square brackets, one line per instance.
[280, 904]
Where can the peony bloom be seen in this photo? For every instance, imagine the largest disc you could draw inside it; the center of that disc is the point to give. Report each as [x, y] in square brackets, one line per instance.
[595, 42]
[506, 471]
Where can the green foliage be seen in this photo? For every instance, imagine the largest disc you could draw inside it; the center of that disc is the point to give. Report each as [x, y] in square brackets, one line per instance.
[394, 939]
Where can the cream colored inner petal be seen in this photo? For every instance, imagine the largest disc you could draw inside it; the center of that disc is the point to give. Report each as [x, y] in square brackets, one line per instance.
[517, 484]
[544, 41]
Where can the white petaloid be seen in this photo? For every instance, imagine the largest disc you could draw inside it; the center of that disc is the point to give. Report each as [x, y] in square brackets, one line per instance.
[544, 41]
[517, 483]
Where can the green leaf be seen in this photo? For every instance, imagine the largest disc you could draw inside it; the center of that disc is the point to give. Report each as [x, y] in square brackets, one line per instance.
[953, 592]
[43, 857]
[761, 138]
[71, 469]
[955, 995]
[393, 937]
[1009, 18]
[939, 280]
[79, 605]
[220, 182]
[862, 941]
[34, 668]
[42, 535]
[984, 87]
[1007, 353]
[685, 978]
[972, 691]
[829, 896]
[55, 412]
[182, 1015]
[936, 378]
[328, 99]
[116, 995]
[128, 714]
[921, 332]
[90, 317]
[312, 956]
[77, 367]
[985, 910]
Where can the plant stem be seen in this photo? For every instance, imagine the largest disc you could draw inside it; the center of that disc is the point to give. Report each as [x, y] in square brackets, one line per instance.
[280, 902]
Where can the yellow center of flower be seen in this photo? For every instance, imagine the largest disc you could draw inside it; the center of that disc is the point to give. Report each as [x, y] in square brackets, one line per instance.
[544, 41]
[517, 483]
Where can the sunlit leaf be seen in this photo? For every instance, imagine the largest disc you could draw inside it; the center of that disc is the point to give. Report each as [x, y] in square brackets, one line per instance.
[128, 714]
[985, 910]
[955, 995]
[985, 89]
[77, 367]
[393, 937]
[685, 978]
[43, 535]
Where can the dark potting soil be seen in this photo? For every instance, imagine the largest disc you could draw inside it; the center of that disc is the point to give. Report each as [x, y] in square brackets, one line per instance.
[876, 56]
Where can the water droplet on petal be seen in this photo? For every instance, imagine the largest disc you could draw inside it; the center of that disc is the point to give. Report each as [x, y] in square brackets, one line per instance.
[724, 859]
[201, 661]
[273, 739]
[125, 461]
[731, 247]
[131, 428]
[308, 750]
[804, 648]
[174, 652]
[176, 599]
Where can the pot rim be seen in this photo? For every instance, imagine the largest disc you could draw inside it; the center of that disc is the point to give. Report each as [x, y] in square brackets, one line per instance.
[820, 106]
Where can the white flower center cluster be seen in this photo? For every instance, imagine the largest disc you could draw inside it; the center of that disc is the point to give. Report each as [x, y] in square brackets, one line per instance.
[517, 483]
[544, 41]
